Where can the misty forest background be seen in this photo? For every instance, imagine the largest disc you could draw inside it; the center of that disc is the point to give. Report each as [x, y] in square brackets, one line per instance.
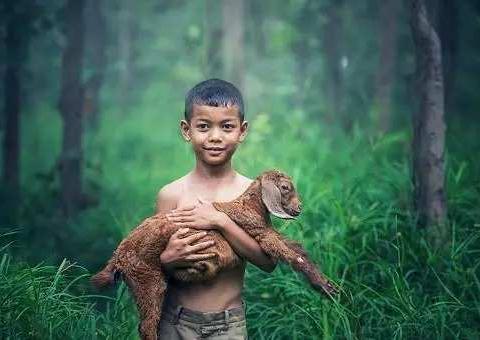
[371, 106]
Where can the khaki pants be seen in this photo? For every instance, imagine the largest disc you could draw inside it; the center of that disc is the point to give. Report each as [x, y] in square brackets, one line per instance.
[180, 323]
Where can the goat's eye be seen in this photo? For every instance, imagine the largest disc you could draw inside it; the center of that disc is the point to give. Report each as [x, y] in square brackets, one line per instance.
[284, 187]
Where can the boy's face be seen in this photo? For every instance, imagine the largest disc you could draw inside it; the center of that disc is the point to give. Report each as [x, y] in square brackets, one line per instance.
[214, 132]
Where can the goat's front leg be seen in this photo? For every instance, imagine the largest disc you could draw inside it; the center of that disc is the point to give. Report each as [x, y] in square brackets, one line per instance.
[277, 247]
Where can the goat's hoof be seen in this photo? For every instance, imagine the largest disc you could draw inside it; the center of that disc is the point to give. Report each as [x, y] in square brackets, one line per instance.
[326, 288]
[330, 289]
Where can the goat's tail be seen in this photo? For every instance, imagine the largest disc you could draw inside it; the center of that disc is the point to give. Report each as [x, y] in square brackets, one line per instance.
[104, 278]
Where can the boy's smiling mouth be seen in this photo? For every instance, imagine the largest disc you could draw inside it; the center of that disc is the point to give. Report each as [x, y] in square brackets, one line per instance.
[214, 149]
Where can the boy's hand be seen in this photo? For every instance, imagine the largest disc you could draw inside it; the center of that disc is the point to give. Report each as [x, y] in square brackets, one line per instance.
[181, 250]
[200, 216]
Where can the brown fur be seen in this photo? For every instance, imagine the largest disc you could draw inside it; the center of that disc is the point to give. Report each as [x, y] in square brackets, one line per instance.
[137, 257]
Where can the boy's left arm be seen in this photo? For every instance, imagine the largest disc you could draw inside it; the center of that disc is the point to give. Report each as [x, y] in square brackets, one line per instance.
[205, 216]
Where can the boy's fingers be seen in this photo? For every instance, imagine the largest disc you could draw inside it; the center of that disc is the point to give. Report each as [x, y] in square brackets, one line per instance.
[184, 224]
[181, 219]
[195, 237]
[187, 208]
[180, 232]
[200, 246]
[197, 257]
[180, 213]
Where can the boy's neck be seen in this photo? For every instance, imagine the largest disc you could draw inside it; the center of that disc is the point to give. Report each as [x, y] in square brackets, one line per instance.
[208, 172]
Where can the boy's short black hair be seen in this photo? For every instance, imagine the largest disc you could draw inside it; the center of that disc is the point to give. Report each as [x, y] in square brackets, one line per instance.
[214, 92]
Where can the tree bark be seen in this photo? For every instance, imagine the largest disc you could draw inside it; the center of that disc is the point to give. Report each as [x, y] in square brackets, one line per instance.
[448, 32]
[256, 11]
[428, 126]
[70, 105]
[385, 72]
[233, 44]
[125, 41]
[332, 37]
[302, 51]
[96, 41]
[212, 61]
[11, 143]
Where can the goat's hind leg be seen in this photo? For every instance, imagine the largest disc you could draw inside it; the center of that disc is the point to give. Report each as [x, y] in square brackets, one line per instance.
[149, 292]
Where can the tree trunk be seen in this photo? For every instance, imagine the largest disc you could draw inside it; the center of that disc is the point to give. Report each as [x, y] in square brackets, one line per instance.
[212, 61]
[125, 36]
[70, 105]
[233, 44]
[332, 37]
[385, 72]
[302, 51]
[96, 41]
[428, 126]
[11, 142]
[256, 11]
[448, 31]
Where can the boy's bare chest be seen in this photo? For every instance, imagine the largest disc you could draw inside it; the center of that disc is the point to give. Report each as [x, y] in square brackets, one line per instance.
[189, 195]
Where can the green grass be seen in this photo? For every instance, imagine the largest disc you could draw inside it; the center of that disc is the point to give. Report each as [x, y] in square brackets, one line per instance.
[49, 302]
[357, 225]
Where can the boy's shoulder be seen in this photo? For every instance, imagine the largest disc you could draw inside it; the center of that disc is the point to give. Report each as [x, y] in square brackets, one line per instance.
[173, 188]
[169, 194]
[244, 181]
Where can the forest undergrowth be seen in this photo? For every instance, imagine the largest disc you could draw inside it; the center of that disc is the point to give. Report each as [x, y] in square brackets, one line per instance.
[357, 224]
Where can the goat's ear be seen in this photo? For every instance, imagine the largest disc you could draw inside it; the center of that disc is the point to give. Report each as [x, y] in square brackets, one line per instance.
[272, 198]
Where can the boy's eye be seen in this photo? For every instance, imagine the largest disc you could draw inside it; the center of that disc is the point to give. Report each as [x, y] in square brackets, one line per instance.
[228, 126]
[202, 126]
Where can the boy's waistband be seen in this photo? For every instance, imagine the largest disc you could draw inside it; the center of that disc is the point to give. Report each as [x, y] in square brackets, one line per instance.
[175, 312]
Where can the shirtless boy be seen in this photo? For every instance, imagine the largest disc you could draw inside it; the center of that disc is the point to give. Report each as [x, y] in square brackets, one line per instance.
[214, 125]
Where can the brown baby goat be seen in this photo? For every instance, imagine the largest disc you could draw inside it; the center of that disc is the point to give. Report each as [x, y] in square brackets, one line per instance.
[137, 257]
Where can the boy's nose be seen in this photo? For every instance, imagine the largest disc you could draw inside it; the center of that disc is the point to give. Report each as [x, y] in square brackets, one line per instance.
[214, 135]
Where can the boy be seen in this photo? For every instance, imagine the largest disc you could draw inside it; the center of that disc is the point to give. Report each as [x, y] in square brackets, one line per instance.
[214, 124]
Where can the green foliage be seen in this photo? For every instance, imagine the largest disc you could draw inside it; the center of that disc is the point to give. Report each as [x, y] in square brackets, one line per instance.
[50, 302]
[356, 225]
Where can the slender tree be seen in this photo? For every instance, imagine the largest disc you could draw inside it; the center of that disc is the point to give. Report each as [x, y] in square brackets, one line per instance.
[212, 58]
[387, 31]
[19, 21]
[14, 48]
[126, 51]
[447, 23]
[71, 107]
[428, 125]
[233, 41]
[304, 18]
[332, 38]
[95, 40]
[257, 12]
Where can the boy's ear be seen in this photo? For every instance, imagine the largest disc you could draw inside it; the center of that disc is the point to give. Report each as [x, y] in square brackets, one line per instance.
[185, 129]
[243, 131]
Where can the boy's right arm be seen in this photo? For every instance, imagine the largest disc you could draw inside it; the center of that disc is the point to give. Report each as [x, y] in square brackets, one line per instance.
[180, 250]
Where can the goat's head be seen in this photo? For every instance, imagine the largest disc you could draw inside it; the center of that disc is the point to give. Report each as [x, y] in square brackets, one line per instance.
[279, 195]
